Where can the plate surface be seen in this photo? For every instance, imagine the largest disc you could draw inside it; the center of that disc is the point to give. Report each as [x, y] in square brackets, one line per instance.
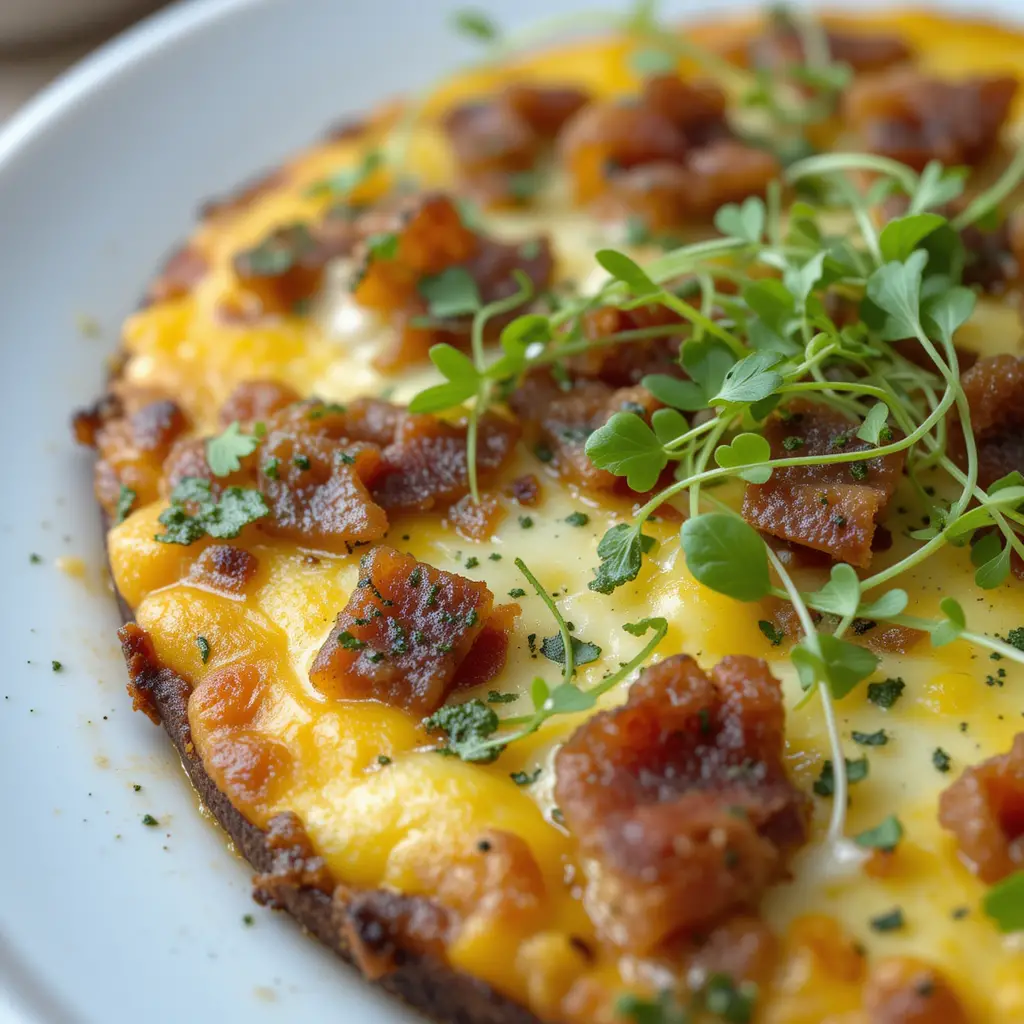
[101, 917]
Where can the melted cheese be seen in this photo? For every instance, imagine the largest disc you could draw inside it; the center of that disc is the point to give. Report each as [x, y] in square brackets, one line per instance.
[391, 824]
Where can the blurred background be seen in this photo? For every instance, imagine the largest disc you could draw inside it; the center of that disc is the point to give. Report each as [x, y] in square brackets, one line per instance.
[40, 38]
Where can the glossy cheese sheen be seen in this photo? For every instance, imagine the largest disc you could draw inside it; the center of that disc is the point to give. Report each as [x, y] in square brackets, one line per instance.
[393, 823]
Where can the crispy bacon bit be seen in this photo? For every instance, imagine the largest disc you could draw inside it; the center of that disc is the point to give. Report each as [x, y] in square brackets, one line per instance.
[382, 928]
[403, 634]
[667, 158]
[625, 364]
[296, 864]
[132, 448]
[180, 274]
[832, 508]
[781, 48]
[477, 520]
[500, 141]
[225, 568]
[984, 809]
[285, 268]
[525, 490]
[563, 420]
[912, 118]
[426, 465]
[432, 238]
[681, 799]
[994, 388]
[256, 400]
[905, 990]
[148, 684]
[489, 652]
[317, 491]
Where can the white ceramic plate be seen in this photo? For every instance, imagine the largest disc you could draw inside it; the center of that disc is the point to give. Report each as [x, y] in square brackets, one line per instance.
[102, 918]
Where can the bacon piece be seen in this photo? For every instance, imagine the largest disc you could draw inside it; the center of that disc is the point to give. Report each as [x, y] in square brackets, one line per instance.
[994, 388]
[477, 520]
[626, 363]
[905, 990]
[317, 491]
[185, 268]
[781, 48]
[912, 118]
[489, 652]
[826, 507]
[666, 159]
[432, 238]
[499, 139]
[256, 400]
[283, 269]
[525, 490]
[382, 927]
[984, 809]
[426, 464]
[132, 448]
[403, 634]
[296, 865]
[563, 420]
[681, 800]
[225, 568]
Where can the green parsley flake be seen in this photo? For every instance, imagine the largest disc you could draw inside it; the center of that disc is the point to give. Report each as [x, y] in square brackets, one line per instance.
[856, 771]
[885, 836]
[871, 739]
[891, 921]
[149, 820]
[350, 642]
[466, 728]
[125, 503]
[886, 693]
[525, 778]
[517, 592]
[57, 666]
[577, 519]
[225, 451]
[771, 632]
[941, 760]
[223, 519]
[583, 653]
[204, 649]
[1004, 903]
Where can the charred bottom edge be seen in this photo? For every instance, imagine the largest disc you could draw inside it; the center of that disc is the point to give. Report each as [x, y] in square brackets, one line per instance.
[428, 985]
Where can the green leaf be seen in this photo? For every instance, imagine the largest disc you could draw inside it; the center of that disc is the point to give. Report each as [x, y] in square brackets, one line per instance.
[800, 281]
[644, 625]
[985, 547]
[626, 446]
[583, 653]
[891, 603]
[747, 450]
[771, 632]
[475, 25]
[1004, 903]
[668, 424]
[771, 301]
[468, 727]
[663, 1009]
[856, 771]
[442, 396]
[621, 552]
[539, 693]
[995, 572]
[452, 293]
[125, 503]
[937, 186]
[628, 271]
[949, 311]
[885, 836]
[726, 555]
[383, 245]
[950, 628]
[900, 237]
[224, 452]
[841, 595]
[680, 394]
[222, 519]
[750, 380]
[707, 362]
[875, 424]
[566, 699]
[516, 338]
[346, 181]
[729, 1000]
[453, 364]
[842, 665]
[896, 289]
[886, 693]
[745, 222]
[651, 61]
[1012, 479]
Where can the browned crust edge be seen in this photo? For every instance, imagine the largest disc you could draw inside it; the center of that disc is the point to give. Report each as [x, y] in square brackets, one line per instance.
[428, 985]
